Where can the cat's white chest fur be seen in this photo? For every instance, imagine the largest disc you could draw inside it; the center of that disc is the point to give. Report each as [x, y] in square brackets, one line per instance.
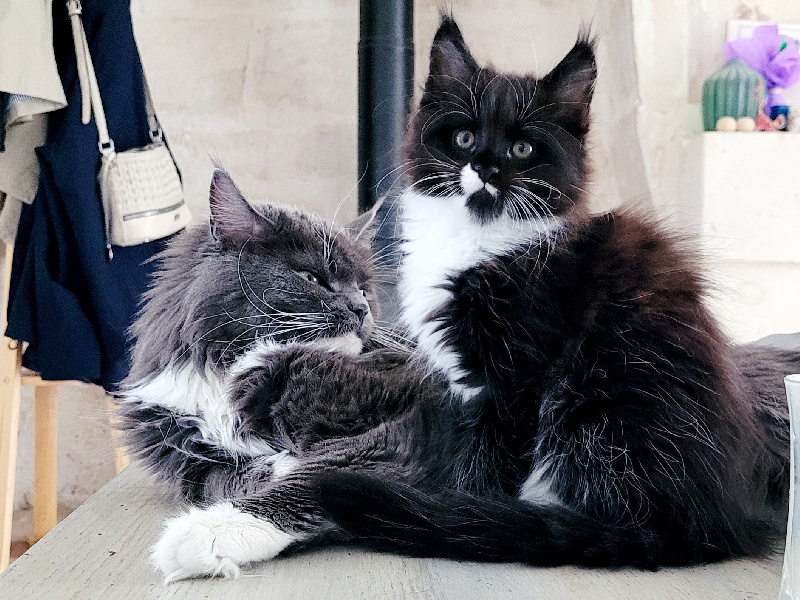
[441, 239]
[188, 392]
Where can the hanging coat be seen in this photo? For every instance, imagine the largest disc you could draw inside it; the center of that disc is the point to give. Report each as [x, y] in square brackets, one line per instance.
[67, 300]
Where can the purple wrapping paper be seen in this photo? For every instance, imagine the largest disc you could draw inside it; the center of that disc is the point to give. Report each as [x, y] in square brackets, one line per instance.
[775, 56]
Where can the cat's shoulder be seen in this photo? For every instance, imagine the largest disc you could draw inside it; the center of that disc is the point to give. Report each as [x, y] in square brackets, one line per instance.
[637, 235]
[635, 248]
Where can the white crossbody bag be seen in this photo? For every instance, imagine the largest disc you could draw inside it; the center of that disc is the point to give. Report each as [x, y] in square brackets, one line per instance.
[140, 188]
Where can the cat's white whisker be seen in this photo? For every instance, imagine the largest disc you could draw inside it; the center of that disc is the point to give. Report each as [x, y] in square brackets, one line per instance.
[413, 163]
[243, 280]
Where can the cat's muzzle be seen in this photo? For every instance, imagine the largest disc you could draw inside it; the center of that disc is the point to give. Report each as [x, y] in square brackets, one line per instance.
[485, 205]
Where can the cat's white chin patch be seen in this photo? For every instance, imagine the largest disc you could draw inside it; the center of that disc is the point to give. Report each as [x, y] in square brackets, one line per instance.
[349, 344]
[215, 542]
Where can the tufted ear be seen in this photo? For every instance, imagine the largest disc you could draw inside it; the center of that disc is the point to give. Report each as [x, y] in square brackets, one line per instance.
[363, 228]
[572, 80]
[232, 219]
[450, 57]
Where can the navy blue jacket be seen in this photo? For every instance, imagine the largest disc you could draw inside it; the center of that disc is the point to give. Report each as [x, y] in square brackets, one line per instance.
[67, 300]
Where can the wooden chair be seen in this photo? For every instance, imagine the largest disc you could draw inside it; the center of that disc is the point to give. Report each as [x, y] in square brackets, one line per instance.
[12, 378]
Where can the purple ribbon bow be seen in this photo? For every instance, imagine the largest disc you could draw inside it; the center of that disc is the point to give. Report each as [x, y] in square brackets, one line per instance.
[775, 56]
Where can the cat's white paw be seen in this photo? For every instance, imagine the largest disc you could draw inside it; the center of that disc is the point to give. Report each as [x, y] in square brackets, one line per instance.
[215, 541]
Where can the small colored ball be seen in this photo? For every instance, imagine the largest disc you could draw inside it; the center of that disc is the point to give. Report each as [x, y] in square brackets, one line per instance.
[745, 124]
[726, 124]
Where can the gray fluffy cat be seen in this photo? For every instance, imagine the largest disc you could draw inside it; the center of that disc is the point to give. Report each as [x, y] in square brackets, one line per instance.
[248, 397]
[246, 380]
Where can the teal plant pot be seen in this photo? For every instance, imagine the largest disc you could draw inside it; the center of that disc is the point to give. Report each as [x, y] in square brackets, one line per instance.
[735, 90]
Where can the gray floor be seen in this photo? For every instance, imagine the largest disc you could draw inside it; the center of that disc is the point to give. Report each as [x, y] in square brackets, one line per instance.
[100, 551]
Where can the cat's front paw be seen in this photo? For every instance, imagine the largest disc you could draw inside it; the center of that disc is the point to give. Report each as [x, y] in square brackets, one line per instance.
[215, 541]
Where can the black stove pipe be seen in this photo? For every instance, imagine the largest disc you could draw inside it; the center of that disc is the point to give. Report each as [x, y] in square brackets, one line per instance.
[385, 88]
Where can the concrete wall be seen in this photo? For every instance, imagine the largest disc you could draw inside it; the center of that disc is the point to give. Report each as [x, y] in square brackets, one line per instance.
[269, 88]
[85, 455]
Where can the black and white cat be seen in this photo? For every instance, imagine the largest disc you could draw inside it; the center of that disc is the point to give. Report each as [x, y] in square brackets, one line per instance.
[592, 377]
[594, 383]
[592, 412]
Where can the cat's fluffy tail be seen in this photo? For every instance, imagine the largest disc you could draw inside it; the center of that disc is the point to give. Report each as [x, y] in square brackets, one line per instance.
[393, 517]
[764, 368]
[389, 516]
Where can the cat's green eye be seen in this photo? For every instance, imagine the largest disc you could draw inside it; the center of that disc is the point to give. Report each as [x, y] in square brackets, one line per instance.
[463, 139]
[308, 276]
[522, 149]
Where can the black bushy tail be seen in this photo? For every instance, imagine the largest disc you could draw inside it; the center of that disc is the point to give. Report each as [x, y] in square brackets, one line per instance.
[764, 368]
[396, 518]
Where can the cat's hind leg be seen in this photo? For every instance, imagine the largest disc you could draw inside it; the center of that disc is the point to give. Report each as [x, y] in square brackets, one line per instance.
[216, 541]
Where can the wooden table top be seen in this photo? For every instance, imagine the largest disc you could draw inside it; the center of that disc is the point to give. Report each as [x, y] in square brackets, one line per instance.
[101, 551]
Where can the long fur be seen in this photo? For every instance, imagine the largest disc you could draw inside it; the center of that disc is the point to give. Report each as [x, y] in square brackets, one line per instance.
[571, 400]
[596, 386]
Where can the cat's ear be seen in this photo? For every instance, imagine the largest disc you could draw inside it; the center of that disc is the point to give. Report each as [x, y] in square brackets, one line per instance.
[232, 218]
[572, 80]
[450, 57]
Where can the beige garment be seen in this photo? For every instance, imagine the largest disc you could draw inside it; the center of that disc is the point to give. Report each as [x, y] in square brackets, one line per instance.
[27, 68]
[27, 62]
[19, 171]
[19, 167]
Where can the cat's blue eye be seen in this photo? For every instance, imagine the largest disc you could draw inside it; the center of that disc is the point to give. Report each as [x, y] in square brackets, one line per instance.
[308, 276]
[522, 149]
[463, 139]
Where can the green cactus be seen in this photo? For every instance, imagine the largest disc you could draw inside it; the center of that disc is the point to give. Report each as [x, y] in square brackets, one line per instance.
[735, 90]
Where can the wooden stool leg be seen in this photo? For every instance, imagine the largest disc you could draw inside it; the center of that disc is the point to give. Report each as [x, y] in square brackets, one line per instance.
[10, 382]
[10, 364]
[45, 485]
